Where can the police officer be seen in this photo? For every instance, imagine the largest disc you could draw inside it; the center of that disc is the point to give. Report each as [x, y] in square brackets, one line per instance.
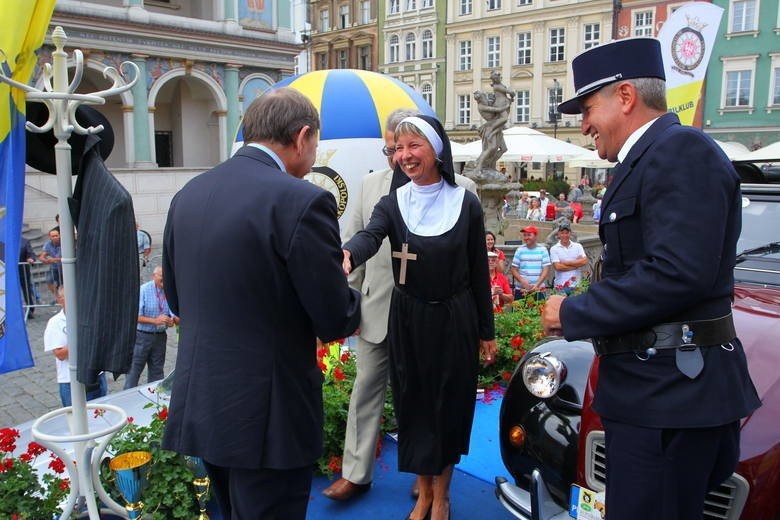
[673, 378]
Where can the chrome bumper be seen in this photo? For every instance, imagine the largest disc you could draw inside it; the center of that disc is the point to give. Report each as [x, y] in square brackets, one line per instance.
[536, 504]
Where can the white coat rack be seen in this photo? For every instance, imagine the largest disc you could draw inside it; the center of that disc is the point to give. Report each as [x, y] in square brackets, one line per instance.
[62, 100]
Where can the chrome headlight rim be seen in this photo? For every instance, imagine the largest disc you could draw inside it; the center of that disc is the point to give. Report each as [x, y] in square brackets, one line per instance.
[543, 374]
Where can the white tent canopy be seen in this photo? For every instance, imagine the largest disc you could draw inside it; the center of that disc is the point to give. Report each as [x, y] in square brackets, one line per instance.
[732, 149]
[590, 159]
[523, 145]
[767, 153]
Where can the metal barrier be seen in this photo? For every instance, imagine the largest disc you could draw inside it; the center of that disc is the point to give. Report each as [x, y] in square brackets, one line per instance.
[34, 284]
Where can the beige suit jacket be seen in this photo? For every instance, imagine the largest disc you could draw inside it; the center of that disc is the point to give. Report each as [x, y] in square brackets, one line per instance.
[374, 279]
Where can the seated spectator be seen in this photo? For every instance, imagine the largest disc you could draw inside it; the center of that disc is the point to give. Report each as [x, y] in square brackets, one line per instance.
[499, 285]
[568, 258]
[530, 265]
[534, 210]
[563, 208]
[522, 205]
[490, 242]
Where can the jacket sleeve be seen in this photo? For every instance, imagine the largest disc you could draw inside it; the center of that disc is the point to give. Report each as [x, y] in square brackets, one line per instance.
[367, 242]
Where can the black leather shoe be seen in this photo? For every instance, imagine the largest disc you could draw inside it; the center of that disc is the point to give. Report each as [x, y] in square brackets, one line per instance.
[344, 490]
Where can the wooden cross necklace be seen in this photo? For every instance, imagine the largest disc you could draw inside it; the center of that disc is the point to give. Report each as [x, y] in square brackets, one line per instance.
[404, 253]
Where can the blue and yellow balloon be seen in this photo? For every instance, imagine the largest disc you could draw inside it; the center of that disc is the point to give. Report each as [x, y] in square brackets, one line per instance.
[353, 106]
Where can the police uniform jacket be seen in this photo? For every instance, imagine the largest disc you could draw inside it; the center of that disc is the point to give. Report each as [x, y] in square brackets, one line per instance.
[669, 225]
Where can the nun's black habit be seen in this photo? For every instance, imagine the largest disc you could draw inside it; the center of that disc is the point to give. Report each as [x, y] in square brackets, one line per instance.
[437, 318]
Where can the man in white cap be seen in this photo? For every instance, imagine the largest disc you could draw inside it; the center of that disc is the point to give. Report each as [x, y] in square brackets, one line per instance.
[673, 379]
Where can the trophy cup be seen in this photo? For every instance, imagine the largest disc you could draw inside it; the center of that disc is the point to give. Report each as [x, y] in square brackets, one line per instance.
[201, 483]
[130, 473]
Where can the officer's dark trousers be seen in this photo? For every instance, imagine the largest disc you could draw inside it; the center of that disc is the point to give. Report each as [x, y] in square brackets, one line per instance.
[261, 494]
[665, 473]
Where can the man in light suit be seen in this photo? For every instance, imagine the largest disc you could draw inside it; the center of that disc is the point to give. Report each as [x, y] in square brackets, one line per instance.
[673, 378]
[252, 264]
[375, 281]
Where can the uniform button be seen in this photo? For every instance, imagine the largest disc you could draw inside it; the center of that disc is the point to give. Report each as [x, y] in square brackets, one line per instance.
[612, 217]
[605, 248]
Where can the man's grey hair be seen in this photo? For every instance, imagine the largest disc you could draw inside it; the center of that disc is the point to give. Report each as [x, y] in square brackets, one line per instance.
[277, 117]
[651, 91]
[398, 115]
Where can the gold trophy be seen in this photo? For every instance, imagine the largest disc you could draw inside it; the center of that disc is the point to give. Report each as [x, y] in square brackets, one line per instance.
[201, 483]
[130, 474]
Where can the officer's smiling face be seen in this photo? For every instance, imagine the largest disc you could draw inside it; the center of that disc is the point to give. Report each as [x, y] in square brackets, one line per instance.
[601, 119]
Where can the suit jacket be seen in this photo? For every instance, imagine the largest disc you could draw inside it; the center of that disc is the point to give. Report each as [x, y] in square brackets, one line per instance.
[374, 279]
[106, 267]
[669, 223]
[252, 266]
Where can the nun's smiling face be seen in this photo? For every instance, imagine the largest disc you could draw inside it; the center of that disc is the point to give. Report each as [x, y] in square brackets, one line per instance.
[417, 159]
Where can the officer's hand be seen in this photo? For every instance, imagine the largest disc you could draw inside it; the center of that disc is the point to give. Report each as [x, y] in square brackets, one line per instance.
[551, 316]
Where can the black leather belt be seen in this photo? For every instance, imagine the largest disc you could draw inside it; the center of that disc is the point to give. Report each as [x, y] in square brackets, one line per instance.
[147, 332]
[696, 333]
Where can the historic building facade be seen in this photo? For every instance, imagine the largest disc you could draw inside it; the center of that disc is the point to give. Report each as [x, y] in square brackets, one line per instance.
[742, 101]
[343, 34]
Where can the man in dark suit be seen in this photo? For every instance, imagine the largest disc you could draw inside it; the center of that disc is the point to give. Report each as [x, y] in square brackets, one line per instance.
[252, 266]
[673, 379]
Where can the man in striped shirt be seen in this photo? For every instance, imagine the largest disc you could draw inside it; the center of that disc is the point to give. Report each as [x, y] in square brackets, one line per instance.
[530, 265]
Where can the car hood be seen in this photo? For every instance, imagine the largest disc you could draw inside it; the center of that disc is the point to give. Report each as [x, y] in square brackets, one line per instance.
[757, 320]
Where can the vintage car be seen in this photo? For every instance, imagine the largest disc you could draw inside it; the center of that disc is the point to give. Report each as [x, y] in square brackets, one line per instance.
[552, 442]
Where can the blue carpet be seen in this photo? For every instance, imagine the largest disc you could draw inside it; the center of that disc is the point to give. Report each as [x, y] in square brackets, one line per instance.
[472, 490]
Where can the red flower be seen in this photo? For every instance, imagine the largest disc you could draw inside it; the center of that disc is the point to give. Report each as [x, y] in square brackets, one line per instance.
[506, 375]
[517, 341]
[65, 484]
[26, 457]
[335, 464]
[34, 449]
[8, 438]
[56, 464]
[515, 358]
[163, 414]
[322, 366]
[130, 419]
[98, 412]
[345, 357]
[322, 352]
[566, 284]
[7, 465]
[340, 341]
[339, 374]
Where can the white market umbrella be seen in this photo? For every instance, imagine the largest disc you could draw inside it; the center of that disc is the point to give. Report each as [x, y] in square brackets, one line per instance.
[590, 159]
[732, 149]
[465, 152]
[767, 153]
[528, 145]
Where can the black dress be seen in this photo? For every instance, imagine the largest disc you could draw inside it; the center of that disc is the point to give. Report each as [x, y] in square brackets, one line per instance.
[436, 321]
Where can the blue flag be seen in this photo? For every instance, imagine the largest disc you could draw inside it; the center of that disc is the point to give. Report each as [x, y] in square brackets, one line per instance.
[22, 28]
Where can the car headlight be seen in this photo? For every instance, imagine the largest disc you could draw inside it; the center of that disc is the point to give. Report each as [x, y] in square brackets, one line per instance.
[543, 375]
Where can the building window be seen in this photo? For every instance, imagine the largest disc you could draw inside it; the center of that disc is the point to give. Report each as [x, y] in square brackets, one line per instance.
[464, 55]
[395, 6]
[342, 59]
[465, 7]
[524, 2]
[464, 109]
[365, 12]
[343, 16]
[592, 35]
[322, 61]
[427, 44]
[395, 49]
[738, 91]
[743, 15]
[776, 88]
[411, 5]
[557, 44]
[493, 5]
[523, 49]
[324, 20]
[411, 46]
[427, 93]
[493, 51]
[522, 106]
[554, 98]
[364, 57]
[427, 3]
[643, 23]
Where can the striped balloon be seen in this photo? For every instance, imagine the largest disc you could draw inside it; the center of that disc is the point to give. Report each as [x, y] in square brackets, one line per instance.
[353, 103]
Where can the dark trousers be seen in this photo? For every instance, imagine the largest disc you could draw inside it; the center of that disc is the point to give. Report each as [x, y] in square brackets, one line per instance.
[261, 494]
[149, 350]
[666, 473]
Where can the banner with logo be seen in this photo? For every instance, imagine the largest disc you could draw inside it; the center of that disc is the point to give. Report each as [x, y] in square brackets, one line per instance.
[22, 28]
[687, 38]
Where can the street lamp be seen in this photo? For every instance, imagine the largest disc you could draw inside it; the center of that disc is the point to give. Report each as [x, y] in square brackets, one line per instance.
[554, 115]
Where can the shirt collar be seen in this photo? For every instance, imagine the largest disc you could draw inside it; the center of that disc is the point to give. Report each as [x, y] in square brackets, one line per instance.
[632, 140]
[270, 152]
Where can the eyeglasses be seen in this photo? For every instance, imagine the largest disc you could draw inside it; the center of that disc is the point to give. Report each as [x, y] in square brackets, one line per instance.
[388, 151]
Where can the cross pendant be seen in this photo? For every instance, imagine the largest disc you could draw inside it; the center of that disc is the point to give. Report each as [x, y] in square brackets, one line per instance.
[404, 255]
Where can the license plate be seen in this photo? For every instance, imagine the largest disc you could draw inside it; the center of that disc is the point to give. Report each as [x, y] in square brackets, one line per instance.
[586, 504]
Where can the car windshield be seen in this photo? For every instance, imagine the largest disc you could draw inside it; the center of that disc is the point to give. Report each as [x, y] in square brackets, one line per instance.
[759, 226]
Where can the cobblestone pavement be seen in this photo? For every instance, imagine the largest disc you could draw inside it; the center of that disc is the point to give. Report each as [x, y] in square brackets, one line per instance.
[27, 394]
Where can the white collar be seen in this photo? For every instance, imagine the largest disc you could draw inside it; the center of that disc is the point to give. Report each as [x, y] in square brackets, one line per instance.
[633, 138]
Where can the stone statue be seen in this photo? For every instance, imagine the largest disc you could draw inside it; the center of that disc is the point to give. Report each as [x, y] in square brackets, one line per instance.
[494, 108]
